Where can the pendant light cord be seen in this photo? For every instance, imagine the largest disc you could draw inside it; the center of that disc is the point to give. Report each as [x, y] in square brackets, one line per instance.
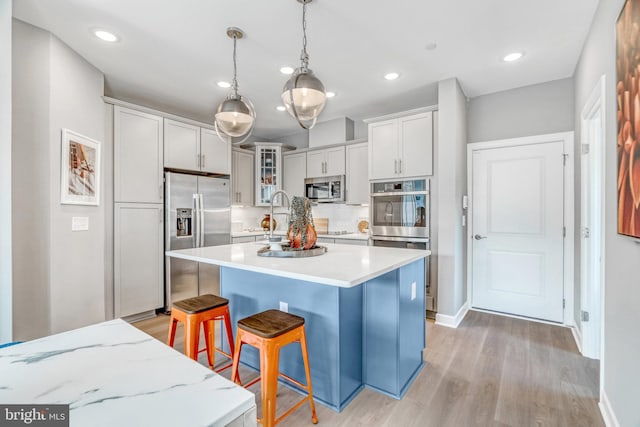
[304, 56]
[235, 69]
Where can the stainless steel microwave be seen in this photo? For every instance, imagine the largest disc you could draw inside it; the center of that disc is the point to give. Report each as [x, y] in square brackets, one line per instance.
[325, 189]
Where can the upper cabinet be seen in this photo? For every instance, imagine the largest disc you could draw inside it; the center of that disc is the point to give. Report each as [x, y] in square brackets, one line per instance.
[189, 147]
[242, 178]
[215, 154]
[138, 173]
[294, 171]
[268, 172]
[358, 177]
[401, 147]
[327, 162]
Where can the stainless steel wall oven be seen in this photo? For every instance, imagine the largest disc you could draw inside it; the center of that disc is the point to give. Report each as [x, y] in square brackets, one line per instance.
[400, 218]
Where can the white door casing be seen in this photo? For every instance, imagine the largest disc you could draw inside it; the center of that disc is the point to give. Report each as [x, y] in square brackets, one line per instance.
[518, 263]
[592, 220]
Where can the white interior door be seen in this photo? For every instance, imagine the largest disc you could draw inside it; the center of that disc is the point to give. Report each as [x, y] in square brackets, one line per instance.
[517, 231]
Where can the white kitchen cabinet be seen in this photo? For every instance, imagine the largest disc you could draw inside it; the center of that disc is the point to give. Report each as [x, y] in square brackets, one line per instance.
[325, 240]
[358, 174]
[138, 172]
[181, 145]
[215, 154]
[192, 148]
[268, 172]
[138, 258]
[401, 147]
[242, 178]
[294, 167]
[327, 162]
[354, 242]
[243, 239]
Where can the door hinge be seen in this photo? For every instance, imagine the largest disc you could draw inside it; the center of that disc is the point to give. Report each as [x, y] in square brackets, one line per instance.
[584, 316]
[584, 148]
[564, 231]
[564, 159]
[563, 303]
[586, 233]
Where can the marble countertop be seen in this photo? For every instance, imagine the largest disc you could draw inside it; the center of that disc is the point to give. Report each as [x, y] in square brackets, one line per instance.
[342, 265]
[112, 374]
[348, 236]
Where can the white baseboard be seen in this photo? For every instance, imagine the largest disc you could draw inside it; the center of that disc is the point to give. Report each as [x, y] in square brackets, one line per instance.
[452, 321]
[606, 410]
[577, 336]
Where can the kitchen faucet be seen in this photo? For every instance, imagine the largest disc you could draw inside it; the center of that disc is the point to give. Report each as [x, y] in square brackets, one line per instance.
[273, 196]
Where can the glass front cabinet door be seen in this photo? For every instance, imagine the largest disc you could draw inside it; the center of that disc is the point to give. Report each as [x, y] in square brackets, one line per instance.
[268, 172]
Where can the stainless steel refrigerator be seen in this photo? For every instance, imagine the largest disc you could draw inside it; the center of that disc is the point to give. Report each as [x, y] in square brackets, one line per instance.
[197, 214]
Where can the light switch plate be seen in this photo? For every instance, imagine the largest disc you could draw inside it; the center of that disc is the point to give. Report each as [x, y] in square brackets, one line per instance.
[413, 291]
[79, 223]
[284, 306]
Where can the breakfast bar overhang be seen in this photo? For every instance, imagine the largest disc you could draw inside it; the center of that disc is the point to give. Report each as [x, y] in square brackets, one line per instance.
[364, 310]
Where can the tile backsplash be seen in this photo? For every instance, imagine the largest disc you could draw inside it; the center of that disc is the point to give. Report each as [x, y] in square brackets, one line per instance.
[341, 217]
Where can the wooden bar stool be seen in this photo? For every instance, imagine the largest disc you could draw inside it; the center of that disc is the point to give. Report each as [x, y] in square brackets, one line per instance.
[204, 309]
[268, 332]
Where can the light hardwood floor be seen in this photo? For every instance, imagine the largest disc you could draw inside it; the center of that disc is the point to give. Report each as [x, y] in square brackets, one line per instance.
[490, 371]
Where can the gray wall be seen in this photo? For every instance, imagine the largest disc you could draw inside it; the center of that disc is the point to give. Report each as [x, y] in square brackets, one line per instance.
[530, 110]
[59, 275]
[622, 287]
[5, 173]
[451, 186]
[31, 174]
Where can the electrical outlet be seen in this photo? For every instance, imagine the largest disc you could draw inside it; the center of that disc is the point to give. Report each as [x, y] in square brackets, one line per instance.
[464, 220]
[413, 291]
[284, 306]
[79, 223]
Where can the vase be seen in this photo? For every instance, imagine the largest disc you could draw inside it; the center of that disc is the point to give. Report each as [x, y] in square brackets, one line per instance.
[296, 241]
[265, 222]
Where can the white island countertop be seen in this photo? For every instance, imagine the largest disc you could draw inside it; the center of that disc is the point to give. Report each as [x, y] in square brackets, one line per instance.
[342, 265]
[112, 374]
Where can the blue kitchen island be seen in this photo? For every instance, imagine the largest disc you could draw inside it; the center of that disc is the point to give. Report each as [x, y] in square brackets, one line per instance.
[364, 310]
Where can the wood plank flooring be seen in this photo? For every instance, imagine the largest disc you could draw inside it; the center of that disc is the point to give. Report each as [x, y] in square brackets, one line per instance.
[490, 371]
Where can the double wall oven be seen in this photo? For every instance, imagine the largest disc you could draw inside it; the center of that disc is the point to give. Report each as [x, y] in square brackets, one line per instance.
[400, 219]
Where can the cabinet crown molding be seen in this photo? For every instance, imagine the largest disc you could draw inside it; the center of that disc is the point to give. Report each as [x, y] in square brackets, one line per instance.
[401, 114]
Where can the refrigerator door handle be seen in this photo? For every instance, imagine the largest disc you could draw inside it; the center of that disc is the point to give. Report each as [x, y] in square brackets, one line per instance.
[196, 221]
[201, 219]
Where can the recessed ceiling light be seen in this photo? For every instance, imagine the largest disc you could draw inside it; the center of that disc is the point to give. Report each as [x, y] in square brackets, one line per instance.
[513, 57]
[286, 70]
[224, 84]
[391, 76]
[330, 94]
[431, 46]
[105, 35]
[280, 108]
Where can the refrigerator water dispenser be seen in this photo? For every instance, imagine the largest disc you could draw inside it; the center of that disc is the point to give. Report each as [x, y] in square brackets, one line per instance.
[183, 222]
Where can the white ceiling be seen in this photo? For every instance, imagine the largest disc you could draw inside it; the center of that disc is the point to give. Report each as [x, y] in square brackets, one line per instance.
[172, 53]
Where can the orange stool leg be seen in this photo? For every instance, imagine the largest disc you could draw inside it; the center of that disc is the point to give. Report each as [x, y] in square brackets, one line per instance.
[235, 375]
[191, 337]
[229, 331]
[305, 358]
[172, 331]
[269, 356]
[210, 341]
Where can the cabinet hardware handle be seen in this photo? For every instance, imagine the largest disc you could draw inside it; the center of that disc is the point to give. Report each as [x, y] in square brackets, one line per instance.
[400, 166]
[203, 161]
[395, 166]
[160, 191]
[197, 160]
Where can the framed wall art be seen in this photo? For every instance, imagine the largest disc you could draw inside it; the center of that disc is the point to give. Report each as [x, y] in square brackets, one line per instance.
[80, 170]
[628, 115]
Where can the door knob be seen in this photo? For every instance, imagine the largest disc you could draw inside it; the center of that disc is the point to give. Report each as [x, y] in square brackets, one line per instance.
[479, 237]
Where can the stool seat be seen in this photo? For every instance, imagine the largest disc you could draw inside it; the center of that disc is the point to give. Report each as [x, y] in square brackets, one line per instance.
[270, 323]
[201, 303]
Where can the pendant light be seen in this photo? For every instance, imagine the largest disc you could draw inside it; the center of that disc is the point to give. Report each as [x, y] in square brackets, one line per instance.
[235, 116]
[303, 94]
